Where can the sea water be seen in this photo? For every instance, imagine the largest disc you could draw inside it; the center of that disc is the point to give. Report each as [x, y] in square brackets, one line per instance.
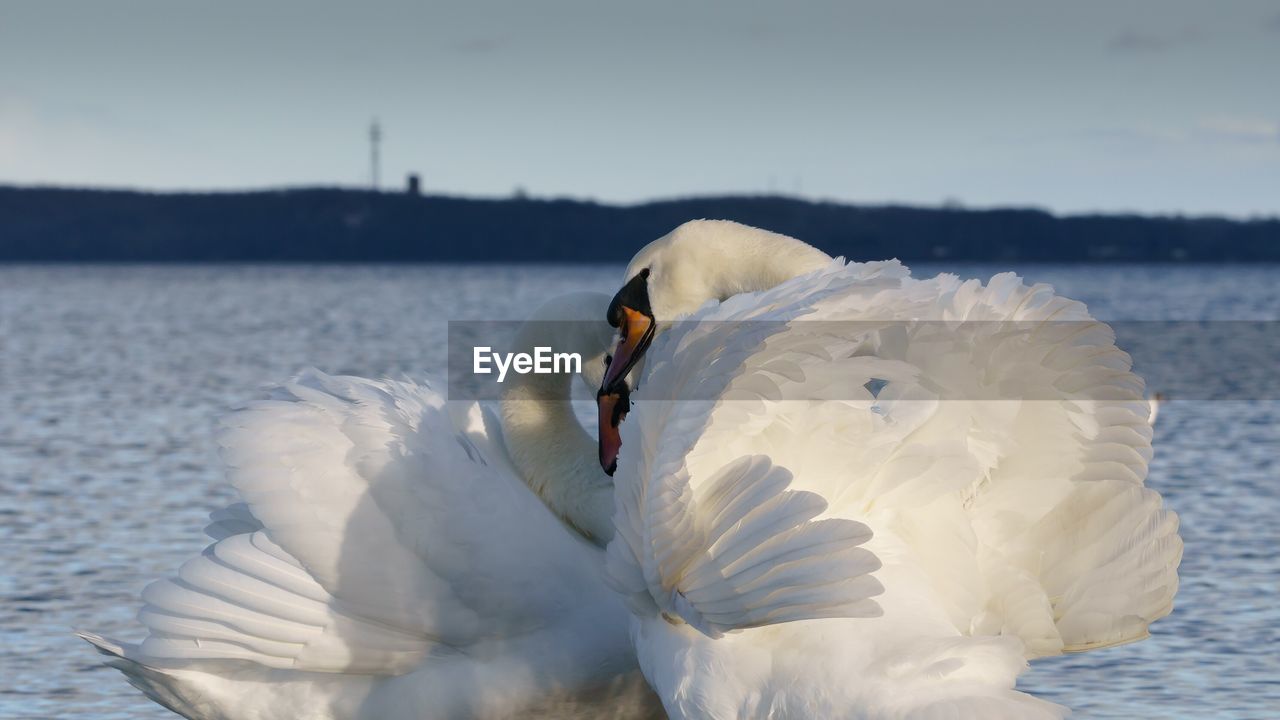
[112, 379]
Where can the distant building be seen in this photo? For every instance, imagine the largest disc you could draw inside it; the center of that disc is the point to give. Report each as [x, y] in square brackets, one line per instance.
[375, 137]
[413, 186]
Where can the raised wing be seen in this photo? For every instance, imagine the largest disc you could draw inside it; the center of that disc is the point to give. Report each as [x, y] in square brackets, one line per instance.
[994, 431]
[727, 543]
[380, 524]
[1046, 533]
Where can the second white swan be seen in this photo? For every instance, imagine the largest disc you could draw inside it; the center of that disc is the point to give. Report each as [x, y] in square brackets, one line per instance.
[390, 562]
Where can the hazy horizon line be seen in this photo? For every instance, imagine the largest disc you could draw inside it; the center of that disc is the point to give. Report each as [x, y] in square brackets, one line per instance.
[522, 194]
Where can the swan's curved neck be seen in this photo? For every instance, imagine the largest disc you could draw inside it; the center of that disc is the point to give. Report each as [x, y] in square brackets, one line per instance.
[760, 265]
[555, 455]
[716, 259]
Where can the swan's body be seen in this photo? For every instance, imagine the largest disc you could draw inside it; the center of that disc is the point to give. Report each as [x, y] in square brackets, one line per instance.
[998, 462]
[389, 561]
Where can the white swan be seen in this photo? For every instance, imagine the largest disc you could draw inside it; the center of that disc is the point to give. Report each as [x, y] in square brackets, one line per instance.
[990, 436]
[389, 562]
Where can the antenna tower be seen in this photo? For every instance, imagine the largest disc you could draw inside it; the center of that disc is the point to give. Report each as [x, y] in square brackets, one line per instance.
[375, 138]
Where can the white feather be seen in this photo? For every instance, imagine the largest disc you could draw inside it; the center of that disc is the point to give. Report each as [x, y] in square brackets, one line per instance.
[990, 435]
[388, 561]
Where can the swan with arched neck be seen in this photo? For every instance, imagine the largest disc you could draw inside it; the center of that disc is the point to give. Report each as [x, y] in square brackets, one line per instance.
[400, 555]
[984, 443]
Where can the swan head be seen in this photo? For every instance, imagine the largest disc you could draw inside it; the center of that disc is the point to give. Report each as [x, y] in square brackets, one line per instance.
[698, 262]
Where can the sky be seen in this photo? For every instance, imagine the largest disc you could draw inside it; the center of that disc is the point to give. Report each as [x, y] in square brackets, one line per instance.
[1154, 106]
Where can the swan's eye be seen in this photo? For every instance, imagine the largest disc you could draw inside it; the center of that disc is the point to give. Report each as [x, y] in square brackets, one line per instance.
[633, 295]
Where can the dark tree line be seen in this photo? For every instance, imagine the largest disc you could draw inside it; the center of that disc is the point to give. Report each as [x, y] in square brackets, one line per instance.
[330, 225]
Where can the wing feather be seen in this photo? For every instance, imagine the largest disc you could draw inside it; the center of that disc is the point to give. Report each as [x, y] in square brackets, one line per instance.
[1000, 425]
[379, 526]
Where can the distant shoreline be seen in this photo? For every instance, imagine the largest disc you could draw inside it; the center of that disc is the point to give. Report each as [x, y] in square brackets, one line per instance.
[325, 225]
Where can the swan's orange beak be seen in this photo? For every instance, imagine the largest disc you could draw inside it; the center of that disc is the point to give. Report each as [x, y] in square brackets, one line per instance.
[629, 311]
[635, 332]
[613, 409]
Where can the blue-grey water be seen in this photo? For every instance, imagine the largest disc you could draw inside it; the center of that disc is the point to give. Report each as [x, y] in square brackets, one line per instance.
[111, 379]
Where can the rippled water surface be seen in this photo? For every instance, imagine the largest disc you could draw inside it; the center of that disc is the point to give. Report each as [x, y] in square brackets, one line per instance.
[111, 379]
